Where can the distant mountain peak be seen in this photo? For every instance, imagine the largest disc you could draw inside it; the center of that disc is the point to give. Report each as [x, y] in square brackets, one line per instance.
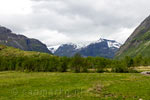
[101, 39]
[69, 49]
[4, 30]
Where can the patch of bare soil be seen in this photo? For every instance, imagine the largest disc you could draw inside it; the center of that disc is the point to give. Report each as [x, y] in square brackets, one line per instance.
[96, 89]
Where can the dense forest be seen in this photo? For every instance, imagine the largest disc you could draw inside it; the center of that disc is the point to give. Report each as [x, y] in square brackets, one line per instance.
[77, 63]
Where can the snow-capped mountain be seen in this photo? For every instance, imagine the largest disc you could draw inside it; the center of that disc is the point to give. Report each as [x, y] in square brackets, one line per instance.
[102, 47]
[77, 45]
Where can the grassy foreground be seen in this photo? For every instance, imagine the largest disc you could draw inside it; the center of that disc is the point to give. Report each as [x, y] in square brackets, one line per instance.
[73, 86]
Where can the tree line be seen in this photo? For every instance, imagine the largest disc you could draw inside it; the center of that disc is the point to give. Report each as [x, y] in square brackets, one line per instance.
[75, 64]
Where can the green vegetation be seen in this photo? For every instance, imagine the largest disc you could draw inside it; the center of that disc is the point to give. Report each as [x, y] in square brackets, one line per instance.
[35, 76]
[141, 48]
[13, 52]
[137, 44]
[12, 59]
[73, 86]
[144, 37]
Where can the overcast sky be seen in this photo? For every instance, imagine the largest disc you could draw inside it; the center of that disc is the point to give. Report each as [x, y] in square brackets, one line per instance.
[60, 21]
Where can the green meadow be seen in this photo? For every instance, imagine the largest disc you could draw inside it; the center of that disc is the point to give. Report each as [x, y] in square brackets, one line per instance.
[73, 86]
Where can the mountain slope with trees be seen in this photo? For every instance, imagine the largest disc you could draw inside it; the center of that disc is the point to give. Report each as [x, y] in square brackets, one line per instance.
[138, 43]
[18, 60]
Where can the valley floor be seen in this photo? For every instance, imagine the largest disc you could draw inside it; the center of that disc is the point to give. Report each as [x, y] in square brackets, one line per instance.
[73, 86]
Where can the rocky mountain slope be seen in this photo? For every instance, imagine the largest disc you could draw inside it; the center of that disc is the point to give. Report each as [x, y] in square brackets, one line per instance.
[138, 43]
[102, 47]
[20, 41]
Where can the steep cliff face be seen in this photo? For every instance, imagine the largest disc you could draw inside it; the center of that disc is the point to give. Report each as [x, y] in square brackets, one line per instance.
[20, 41]
[138, 43]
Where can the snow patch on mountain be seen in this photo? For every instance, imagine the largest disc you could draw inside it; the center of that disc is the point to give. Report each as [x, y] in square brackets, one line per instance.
[112, 44]
[80, 45]
[53, 48]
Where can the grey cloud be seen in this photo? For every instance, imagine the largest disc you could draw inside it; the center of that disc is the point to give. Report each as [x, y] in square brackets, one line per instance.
[79, 20]
[110, 17]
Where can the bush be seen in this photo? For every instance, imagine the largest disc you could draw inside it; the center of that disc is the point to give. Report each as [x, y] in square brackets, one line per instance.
[77, 63]
[119, 68]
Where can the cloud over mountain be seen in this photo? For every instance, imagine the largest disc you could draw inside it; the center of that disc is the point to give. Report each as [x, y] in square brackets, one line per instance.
[60, 21]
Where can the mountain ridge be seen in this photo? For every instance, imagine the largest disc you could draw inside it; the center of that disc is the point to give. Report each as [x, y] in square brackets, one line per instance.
[138, 43]
[88, 48]
[7, 37]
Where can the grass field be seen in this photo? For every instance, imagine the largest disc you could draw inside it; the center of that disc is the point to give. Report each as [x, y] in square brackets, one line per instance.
[73, 86]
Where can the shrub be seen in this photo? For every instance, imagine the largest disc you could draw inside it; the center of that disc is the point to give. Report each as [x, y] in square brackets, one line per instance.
[120, 68]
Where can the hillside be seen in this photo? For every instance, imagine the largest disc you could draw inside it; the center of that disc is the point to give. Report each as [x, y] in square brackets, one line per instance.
[13, 52]
[138, 43]
[20, 41]
[102, 47]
